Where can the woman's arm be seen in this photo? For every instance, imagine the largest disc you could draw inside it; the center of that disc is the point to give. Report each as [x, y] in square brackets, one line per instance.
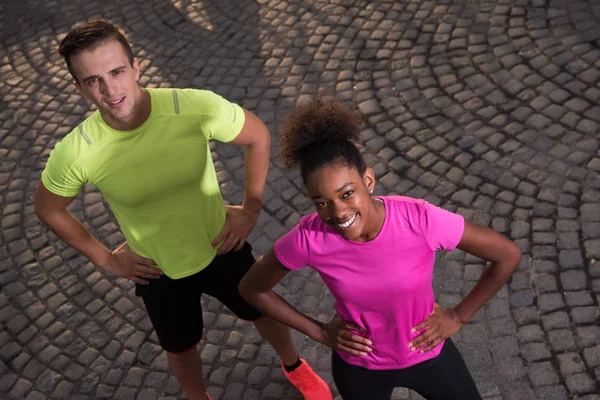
[257, 288]
[504, 256]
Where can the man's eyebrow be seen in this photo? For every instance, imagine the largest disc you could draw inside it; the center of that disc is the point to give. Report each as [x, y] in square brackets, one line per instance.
[96, 76]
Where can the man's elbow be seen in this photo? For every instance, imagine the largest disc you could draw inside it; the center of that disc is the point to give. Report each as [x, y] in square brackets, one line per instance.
[516, 253]
[38, 209]
[262, 136]
[262, 140]
[38, 201]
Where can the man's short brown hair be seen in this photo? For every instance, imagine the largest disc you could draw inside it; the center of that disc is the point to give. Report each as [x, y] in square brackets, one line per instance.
[90, 35]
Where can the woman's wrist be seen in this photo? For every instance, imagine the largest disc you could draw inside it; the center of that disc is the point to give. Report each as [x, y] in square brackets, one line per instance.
[463, 319]
[317, 330]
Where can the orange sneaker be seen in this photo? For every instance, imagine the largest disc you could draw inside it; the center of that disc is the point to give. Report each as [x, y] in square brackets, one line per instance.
[308, 382]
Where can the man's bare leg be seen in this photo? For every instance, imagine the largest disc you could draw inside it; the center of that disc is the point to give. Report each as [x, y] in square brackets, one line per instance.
[187, 368]
[299, 373]
[278, 336]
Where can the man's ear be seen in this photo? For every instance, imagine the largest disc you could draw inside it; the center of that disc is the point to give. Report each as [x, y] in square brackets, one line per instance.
[136, 69]
[78, 87]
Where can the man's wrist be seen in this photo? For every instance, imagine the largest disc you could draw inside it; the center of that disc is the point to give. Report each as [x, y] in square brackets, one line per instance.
[252, 208]
[102, 259]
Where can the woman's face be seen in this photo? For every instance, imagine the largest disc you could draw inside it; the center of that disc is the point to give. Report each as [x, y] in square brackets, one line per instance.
[342, 199]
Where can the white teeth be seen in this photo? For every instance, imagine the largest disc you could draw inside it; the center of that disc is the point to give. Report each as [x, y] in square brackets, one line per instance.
[115, 102]
[348, 223]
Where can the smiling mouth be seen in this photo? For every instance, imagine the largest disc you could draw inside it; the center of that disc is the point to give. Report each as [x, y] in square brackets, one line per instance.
[116, 102]
[348, 223]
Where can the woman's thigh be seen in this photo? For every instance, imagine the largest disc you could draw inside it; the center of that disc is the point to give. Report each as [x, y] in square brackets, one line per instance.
[444, 377]
[357, 383]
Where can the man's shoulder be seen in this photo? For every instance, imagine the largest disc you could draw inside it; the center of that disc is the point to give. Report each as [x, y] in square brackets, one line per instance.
[189, 101]
[171, 94]
[81, 138]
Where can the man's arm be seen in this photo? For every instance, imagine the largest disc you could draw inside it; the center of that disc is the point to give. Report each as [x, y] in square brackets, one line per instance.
[257, 140]
[52, 211]
[241, 219]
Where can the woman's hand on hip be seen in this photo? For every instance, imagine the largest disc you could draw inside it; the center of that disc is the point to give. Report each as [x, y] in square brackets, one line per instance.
[438, 326]
[338, 335]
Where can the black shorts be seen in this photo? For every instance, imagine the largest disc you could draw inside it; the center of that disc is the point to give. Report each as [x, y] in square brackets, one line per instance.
[173, 305]
[444, 377]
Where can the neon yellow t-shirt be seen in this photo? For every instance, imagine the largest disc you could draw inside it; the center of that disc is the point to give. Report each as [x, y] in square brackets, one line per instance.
[158, 179]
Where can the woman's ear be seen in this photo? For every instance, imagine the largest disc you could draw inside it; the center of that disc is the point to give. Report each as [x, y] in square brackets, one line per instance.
[369, 179]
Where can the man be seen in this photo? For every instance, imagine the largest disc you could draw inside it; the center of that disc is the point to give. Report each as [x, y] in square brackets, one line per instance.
[147, 152]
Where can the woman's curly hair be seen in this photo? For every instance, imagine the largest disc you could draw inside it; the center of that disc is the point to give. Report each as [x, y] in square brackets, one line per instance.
[319, 133]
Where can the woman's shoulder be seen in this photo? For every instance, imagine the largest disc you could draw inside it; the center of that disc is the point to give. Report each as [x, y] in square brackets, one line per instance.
[311, 223]
[404, 204]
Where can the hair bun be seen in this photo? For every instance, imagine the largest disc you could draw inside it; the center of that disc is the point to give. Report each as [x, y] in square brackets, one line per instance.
[321, 120]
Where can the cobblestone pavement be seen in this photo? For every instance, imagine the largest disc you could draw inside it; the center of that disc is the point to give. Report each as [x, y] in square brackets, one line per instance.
[488, 108]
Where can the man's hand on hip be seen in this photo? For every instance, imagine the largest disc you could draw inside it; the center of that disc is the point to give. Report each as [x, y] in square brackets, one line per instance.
[238, 225]
[125, 263]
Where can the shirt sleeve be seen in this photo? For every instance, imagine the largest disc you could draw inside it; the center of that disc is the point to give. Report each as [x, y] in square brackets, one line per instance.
[442, 229]
[63, 176]
[221, 119]
[292, 249]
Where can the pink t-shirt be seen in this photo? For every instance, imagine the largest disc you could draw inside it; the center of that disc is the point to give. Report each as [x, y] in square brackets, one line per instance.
[384, 285]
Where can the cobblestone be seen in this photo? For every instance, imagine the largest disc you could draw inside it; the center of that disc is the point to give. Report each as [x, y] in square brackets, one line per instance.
[542, 374]
[535, 351]
[490, 111]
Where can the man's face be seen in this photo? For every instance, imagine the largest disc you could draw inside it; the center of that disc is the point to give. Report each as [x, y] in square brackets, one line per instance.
[107, 79]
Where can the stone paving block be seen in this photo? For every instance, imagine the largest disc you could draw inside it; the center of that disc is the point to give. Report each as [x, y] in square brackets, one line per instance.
[511, 369]
[592, 356]
[561, 340]
[523, 298]
[550, 302]
[559, 319]
[556, 392]
[35, 395]
[123, 393]
[545, 283]
[518, 389]
[580, 383]
[587, 336]
[573, 280]
[535, 351]
[542, 374]
[63, 390]
[509, 125]
[582, 315]
[530, 333]
[47, 381]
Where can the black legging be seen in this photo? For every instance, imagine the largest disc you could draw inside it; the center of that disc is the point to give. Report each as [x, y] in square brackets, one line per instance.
[445, 377]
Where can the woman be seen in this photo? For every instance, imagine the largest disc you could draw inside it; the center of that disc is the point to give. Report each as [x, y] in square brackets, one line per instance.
[376, 256]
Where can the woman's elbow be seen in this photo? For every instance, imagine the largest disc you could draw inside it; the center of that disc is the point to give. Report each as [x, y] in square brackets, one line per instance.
[513, 257]
[244, 289]
[247, 289]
